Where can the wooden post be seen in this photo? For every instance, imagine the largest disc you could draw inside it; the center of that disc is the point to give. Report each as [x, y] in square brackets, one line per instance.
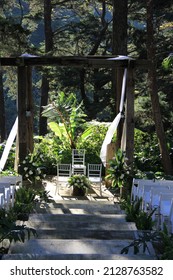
[22, 124]
[29, 110]
[111, 148]
[129, 118]
[119, 79]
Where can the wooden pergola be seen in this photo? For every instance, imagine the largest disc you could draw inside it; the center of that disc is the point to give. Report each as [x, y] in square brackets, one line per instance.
[24, 66]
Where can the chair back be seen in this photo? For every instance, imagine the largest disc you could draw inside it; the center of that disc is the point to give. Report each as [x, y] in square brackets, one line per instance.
[95, 172]
[63, 171]
[78, 157]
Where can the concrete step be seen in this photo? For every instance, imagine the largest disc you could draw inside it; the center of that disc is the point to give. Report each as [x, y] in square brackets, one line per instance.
[80, 207]
[29, 256]
[81, 226]
[78, 218]
[77, 229]
[85, 233]
[57, 247]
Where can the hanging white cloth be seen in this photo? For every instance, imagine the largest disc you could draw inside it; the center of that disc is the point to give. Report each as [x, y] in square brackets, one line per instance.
[9, 144]
[112, 128]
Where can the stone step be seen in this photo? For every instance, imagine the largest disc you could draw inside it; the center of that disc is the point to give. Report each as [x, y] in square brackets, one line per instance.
[70, 218]
[69, 221]
[76, 257]
[52, 247]
[73, 233]
[80, 207]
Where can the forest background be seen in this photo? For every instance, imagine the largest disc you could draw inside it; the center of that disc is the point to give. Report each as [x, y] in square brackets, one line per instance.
[55, 28]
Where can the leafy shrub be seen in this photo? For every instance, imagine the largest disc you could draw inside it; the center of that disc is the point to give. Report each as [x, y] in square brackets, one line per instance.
[119, 172]
[143, 220]
[10, 231]
[147, 158]
[92, 144]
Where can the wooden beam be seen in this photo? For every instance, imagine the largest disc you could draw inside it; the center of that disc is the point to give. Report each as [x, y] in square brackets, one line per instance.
[73, 61]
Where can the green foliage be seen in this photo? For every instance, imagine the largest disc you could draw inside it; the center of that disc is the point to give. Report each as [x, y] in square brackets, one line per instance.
[146, 152]
[11, 158]
[162, 243]
[65, 117]
[166, 244]
[10, 231]
[143, 220]
[119, 170]
[131, 209]
[24, 203]
[168, 62]
[93, 142]
[26, 199]
[32, 168]
[144, 238]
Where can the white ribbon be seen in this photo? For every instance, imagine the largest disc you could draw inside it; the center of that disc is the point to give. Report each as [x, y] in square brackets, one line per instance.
[9, 144]
[112, 128]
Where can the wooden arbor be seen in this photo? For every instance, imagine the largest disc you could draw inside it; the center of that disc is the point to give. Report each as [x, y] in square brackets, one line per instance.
[24, 65]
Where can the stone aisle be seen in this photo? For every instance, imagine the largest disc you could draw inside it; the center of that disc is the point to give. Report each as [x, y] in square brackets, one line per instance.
[90, 227]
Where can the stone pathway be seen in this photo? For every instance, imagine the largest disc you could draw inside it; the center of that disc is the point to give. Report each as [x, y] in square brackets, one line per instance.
[90, 227]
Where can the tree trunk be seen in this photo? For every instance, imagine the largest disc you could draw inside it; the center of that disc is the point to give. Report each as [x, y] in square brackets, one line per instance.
[2, 109]
[119, 47]
[153, 90]
[48, 48]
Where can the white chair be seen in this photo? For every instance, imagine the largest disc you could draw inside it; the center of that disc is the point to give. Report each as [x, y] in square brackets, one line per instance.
[64, 172]
[171, 218]
[166, 182]
[5, 189]
[165, 204]
[78, 161]
[95, 174]
[137, 187]
[14, 180]
[146, 197]
[155, 198]
[1, 200]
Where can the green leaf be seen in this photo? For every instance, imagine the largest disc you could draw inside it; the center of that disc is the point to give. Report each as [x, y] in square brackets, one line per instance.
[58, 129]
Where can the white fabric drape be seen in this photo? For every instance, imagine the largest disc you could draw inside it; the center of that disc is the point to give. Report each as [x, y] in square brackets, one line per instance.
[9, 144]
[112, 128]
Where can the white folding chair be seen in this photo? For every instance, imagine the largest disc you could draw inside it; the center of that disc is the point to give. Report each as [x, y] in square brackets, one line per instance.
[165, 203]
[155, 198]
[146, 197]
[1, 200]
[14, 180]
[137, 187]
[5, 189]
[63, 174]
[95, 174]
[78, 161]
[171, 218]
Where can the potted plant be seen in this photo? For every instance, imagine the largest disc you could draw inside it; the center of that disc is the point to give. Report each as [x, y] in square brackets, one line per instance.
[80, 184]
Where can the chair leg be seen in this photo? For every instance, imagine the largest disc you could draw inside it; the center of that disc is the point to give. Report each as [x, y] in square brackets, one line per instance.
[57, 188]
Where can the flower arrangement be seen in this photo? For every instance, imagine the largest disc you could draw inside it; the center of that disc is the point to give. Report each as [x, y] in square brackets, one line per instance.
[32, 168]
[79, 181]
